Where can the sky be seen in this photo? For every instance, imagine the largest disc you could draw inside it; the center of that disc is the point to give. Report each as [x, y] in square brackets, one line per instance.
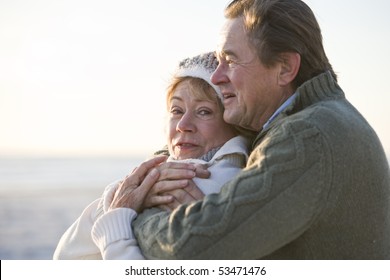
[88, 77]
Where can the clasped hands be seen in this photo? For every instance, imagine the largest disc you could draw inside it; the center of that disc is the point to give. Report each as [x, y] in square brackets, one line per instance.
[159, 183]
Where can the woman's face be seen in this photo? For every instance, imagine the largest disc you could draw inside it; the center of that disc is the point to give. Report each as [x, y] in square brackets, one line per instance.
[194, 126]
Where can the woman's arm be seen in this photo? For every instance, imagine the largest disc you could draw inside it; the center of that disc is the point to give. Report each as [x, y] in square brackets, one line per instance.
[102, 232]
[113, 235]
[112, 232]
[76, 243]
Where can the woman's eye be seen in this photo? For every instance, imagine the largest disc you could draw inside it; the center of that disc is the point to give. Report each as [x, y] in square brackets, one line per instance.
[204, 112]
[176, 111]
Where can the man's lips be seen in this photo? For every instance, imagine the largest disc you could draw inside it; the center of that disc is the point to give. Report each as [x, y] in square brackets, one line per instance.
[228, 95]
[228, 98]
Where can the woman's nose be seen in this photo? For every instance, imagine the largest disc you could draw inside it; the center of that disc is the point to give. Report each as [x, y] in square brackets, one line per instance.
[186, 123]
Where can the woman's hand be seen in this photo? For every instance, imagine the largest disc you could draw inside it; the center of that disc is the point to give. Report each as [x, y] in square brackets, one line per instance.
[188, 194]
[181, 170]
[175, 185]
[134, 189]
[156, 182]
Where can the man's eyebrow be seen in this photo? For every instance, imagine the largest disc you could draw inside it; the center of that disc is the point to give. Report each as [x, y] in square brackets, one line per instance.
[225, 52]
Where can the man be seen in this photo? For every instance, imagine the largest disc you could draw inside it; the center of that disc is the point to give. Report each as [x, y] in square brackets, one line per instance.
[316, 185]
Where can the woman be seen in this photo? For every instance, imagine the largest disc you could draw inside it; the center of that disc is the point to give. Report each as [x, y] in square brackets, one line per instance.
[196, 133]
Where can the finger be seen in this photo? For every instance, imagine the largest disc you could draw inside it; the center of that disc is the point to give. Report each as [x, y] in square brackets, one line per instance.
[176, 174]
[140, 172]
[193, 190]
[201, 171]
[176, 165]
[166, 186]
[148, 183]
[149, 164]
[133, 196]
[181, 197]
[176, 170]
[157, 200]
[135, 168]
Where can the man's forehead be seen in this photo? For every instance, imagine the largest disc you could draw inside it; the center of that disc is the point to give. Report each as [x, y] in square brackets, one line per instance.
[229, 29]
[231, 32]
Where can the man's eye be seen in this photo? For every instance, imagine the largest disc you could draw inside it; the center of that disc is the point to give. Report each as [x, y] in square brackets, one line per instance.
[229, 60]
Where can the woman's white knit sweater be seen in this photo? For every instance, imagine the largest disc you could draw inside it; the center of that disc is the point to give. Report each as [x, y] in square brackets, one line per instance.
[102, 234]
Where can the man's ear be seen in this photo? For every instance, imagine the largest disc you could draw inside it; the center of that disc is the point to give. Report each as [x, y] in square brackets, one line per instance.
[289, 67]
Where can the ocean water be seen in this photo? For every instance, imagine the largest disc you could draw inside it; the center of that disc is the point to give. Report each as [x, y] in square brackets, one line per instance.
[41, 197]
[38, 174]
[49, 174]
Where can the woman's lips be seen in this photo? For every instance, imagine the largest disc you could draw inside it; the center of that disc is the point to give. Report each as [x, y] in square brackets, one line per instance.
[185, 145]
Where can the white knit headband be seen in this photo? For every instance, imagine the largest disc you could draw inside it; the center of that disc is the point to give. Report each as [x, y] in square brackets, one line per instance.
[201, 66]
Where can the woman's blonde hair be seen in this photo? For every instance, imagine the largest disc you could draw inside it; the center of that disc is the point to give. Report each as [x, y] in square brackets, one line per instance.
[198, 87]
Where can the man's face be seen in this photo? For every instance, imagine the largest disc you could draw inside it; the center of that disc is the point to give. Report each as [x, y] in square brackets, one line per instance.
[250, 89]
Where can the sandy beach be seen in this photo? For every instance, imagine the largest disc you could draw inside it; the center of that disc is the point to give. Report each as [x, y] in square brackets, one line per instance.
[32, 223]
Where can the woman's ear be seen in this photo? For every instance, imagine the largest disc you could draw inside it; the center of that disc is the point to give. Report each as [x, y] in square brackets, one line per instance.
[290, 63]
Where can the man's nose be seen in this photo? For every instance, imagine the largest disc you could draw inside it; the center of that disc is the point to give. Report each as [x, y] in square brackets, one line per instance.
[219, 75]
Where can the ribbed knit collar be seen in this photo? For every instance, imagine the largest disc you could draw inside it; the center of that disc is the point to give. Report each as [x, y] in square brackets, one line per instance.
[320, 88]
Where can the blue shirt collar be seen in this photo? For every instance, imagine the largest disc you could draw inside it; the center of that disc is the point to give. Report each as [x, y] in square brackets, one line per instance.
[280, 109]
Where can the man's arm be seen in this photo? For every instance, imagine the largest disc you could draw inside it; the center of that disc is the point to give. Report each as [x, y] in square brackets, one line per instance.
[270, 203]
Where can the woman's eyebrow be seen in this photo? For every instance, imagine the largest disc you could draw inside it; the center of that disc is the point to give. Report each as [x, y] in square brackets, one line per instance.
[175, 98]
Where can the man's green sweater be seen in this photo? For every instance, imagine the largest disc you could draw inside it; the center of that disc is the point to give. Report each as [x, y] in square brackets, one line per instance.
[316, 186]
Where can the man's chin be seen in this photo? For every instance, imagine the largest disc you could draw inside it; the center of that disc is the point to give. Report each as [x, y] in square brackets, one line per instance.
[231, 117]
[238, 120]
